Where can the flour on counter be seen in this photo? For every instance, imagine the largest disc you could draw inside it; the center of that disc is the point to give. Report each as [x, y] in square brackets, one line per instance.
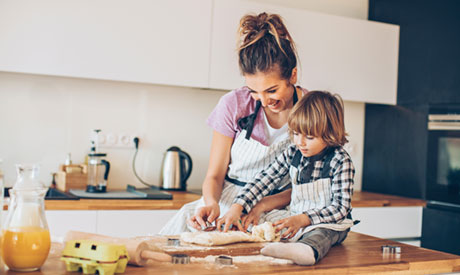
[244, 259]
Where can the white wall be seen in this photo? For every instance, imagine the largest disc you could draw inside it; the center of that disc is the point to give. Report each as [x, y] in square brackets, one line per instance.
[42, 118]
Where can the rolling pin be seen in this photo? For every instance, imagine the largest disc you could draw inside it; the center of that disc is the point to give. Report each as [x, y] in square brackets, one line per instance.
[139, 251]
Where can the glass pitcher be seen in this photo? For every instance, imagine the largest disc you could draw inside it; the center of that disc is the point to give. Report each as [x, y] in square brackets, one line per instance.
[26, 238]
[98, 173]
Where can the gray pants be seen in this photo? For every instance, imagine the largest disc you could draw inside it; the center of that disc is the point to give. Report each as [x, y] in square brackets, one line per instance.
[322, 239]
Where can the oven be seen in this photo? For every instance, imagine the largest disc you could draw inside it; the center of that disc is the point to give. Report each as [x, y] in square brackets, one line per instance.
[441, 216]
[443, 162]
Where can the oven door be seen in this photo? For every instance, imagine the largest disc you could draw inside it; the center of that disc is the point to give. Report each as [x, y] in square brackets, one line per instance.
[443, 165]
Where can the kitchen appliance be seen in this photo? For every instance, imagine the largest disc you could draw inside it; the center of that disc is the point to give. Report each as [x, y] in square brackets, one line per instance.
[98, 173]
[443, 163]
[176, 169]
[441, 216]
[414, 151]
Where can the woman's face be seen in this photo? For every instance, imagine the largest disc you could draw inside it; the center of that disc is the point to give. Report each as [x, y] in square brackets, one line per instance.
[274, 92]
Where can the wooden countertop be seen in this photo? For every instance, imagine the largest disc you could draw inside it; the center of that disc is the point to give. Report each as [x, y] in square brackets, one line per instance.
[358, 254]
[179, 199]
[360, 199]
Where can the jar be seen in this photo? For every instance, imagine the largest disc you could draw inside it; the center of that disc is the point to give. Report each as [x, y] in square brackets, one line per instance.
[26, 238]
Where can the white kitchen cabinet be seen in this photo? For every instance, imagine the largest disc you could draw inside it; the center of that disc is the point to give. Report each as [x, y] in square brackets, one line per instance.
[61, 221]
[357, 59]
[399, 223]
[161, 42]
[131, 223]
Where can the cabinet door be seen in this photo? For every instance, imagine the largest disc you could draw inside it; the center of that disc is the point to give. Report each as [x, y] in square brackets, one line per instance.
[61, 221]
[162, 42]
[357, 59]
[132, 223]
[389, 222]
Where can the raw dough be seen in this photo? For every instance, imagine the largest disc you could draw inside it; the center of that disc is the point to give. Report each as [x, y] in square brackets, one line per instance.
[260, 233]
[216, 238]
[266, 231]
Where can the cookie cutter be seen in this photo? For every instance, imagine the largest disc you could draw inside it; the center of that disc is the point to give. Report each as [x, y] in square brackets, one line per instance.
[173, 242]
[392, 249]
[180, 259]
[224, 260]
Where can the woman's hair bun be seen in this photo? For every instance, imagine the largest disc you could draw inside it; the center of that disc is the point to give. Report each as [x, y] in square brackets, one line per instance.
[265, 44]
[253, 27]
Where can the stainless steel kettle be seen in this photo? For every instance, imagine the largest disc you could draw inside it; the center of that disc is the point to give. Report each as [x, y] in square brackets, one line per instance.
[174, 170]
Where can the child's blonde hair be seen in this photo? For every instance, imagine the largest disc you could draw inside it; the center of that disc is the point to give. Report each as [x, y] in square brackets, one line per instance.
[319, 114]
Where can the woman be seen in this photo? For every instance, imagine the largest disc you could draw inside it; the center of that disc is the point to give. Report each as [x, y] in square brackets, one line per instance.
[250, 126]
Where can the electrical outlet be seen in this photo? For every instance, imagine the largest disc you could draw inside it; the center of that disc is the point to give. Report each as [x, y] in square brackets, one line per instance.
[116, 140]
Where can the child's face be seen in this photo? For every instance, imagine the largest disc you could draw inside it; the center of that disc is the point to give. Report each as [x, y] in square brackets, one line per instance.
[308, 145]
[274, 92]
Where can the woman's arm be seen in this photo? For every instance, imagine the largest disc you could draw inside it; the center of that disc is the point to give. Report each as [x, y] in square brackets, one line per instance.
[219, 160]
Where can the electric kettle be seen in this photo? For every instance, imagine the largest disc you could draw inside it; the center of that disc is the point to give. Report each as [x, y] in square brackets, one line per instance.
[174, 170]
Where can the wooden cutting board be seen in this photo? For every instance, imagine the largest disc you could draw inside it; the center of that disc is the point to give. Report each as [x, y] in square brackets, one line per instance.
[193, 250]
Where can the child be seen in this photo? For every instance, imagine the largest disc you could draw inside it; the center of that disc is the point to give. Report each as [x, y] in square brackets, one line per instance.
[321, 173]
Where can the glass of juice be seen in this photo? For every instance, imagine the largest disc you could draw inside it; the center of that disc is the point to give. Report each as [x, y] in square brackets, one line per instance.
[25, 236]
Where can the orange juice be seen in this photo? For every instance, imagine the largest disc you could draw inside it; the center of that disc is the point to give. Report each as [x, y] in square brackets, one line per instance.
[25, 248]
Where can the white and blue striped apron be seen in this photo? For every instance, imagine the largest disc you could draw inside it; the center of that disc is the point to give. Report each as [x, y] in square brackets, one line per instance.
[248, 157]
[311, 195]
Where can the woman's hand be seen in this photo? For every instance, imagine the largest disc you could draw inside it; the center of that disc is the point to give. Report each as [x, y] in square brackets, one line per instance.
[233, 216]
[293, 224]
[254, 215]
[205, 213]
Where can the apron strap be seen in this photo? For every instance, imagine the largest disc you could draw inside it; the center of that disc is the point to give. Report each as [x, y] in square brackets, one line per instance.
[235, 181]
[295, 97]
[296, 159]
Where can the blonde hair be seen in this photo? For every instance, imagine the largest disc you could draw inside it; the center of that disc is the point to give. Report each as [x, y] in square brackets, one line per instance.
[319, 114]
[265, 44]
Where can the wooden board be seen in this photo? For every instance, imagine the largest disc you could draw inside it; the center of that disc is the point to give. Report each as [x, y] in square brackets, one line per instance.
[359, 254]
[193, 250]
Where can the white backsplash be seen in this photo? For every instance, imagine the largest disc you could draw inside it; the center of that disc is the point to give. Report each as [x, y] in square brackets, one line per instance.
[42, 118]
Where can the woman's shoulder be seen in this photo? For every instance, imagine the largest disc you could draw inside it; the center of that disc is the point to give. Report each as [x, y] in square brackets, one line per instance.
[239, 100]
[241, 95]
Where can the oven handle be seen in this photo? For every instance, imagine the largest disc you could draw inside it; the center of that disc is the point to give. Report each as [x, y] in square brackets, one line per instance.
[440, 125]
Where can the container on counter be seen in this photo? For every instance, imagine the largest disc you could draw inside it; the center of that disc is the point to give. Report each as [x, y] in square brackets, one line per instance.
[25, 235]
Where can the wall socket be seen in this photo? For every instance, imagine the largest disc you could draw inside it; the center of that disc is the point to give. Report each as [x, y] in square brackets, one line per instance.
[116, 140]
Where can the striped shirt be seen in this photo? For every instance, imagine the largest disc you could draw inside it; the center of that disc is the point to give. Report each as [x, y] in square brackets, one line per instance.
[333, 163]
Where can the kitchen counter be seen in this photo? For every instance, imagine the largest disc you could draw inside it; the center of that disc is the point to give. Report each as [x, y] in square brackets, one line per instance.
[360, 199]
[358, 254]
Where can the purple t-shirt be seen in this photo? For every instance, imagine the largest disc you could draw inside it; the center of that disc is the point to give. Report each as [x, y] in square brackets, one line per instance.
[235, 105]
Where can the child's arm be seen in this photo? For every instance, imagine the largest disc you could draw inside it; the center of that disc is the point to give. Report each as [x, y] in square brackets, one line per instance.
[341, 191]
[265, 182]
[266, 204]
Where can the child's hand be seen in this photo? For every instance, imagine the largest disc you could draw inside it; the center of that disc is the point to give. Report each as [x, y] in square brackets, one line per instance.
[253, 216]
[233, 216]
[293, 224]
